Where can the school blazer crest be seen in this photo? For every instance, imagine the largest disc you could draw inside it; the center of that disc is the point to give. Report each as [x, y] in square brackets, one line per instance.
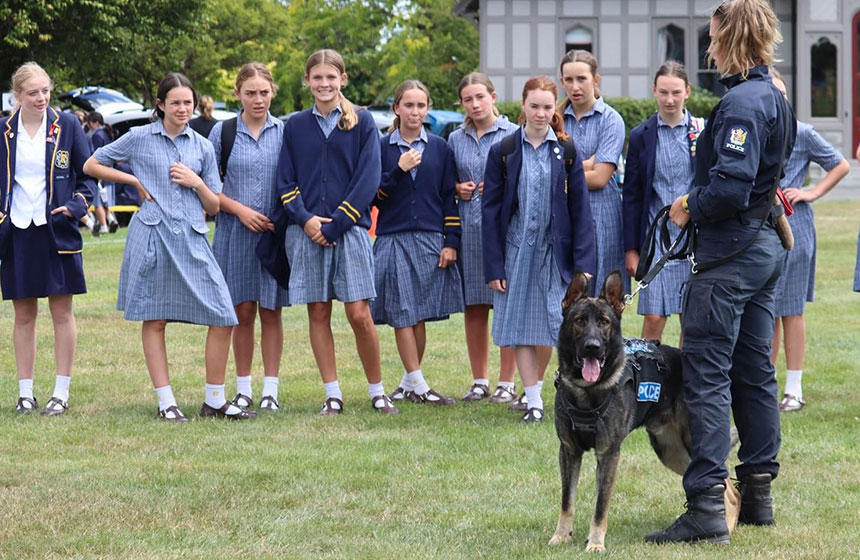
[66, 150]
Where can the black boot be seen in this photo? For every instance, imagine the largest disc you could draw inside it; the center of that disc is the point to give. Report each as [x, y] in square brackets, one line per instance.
[705, 520]
[756, 503]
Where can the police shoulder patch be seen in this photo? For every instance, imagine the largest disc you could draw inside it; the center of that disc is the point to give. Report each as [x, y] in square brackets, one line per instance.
[62, 159]
[737, 138]
[648, 392]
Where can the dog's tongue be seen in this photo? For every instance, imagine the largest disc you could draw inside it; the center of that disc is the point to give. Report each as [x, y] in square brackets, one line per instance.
[591, 370]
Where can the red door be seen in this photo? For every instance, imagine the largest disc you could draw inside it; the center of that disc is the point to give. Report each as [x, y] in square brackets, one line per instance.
[855, 81]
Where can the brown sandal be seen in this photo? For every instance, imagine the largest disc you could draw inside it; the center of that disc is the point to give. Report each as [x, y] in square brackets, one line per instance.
[387, 406]
[26, 405]
[329, 409]
[521, 404]
[172, 414]
[55, 407]
[207, 411]
[477, 392]
[431, 397]
[503, 395]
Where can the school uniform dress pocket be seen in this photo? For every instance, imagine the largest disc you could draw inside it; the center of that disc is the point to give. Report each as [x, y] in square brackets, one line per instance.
[65, 233]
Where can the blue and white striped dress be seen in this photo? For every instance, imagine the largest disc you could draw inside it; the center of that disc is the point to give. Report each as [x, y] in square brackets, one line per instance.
[600, 133]
[168, 269]
[410, 286]
[250, 180]
[343, 271]
[528, 313]
[673, 177]
[857, 266]
[470, 156]
[796, 285]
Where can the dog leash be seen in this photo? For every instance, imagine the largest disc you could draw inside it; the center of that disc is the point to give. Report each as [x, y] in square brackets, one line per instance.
[673, 249]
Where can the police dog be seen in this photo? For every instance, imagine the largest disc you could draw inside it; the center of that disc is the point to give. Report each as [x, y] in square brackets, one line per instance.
[596, 406]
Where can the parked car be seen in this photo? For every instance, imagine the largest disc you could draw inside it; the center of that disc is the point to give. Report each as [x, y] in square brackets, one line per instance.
[443, 123]
[96, 98]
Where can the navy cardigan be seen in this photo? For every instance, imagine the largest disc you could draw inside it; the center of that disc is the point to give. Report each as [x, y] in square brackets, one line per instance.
[426, 203]
[334, 177]
[66, 150]
[572, 227]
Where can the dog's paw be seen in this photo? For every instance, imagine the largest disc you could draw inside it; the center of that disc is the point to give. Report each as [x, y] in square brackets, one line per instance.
[594, 547]
[559, 538]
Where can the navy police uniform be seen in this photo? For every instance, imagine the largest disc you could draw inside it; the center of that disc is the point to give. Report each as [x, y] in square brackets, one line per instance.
[728, 312]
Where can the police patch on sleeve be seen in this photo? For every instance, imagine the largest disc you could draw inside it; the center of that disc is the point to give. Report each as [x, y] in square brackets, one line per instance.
[737, 139]
[648, 392]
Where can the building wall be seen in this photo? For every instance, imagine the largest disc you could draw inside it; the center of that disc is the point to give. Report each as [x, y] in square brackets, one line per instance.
[522, 38]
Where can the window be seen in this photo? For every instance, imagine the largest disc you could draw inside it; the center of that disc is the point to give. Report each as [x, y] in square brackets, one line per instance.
[706, 76]
[823, 78]
[670, 43]
[579, 38]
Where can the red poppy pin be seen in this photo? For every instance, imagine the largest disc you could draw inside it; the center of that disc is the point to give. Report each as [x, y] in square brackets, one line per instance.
[51, 132]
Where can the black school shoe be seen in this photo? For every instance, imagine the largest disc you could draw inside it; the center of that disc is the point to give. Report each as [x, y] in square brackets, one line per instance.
[704, 521]
[207, 411]
[756, 503]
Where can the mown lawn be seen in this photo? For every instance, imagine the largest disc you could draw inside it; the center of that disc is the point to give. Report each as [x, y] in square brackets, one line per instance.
[107, 480]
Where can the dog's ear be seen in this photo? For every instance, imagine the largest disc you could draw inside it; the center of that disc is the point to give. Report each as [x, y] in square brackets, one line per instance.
[611, 292]
[577, 290]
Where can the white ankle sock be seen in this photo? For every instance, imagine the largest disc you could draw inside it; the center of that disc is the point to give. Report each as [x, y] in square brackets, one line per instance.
[416, 382]
[404, 381]
[376, 390]
[165, 397]
[507, 384]
[540, 385]
[332, 390]
[215, 395]
[793, 379]
[25, 388]
[243, 385]
[533, 396]
[61, 387]
[482, 381]
[270, 387]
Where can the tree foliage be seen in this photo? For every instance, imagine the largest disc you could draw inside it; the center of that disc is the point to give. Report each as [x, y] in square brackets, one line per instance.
[131, 44]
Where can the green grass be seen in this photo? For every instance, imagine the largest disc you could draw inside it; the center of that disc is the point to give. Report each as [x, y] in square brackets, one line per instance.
[107, 480]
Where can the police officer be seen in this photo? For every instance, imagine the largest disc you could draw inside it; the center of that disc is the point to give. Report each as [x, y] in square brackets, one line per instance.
[728, 314]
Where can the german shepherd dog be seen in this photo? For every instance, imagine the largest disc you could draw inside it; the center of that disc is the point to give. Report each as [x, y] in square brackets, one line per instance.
[591, 360]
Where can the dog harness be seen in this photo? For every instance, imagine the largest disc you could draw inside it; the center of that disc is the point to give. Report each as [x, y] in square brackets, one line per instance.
[644, 369]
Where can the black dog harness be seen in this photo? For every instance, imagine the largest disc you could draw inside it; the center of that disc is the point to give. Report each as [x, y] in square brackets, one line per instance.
[644, 369]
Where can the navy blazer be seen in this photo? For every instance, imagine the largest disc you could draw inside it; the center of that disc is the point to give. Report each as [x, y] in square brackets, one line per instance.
[574, 244]
[426, 203]
[66, 150]
[638, 180]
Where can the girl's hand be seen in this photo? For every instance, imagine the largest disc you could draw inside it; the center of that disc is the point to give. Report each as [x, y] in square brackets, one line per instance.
[447, 257]
[481, 188]
[253, 220]
[182, 175]
[313, 230]
[498, 285]
[409, 159]
[465, 190]
[142, 192]
[677, 213]
[62, 209]
[799, 195]
[631, 261]
[588, 164]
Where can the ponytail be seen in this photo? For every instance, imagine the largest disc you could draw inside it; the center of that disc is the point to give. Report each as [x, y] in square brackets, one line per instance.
[348, 116]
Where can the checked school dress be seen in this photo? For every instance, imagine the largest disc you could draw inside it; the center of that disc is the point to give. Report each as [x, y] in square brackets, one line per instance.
[528, 313]
[168, 269]
[673, 177]
[250, 180]
[796, 286]
[600, 133]
[470, 156]
[410, 286]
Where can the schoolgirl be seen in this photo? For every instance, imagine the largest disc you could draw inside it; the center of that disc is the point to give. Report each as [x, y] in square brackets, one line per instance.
[418, 234]
[796, 285]
[660, 167]
[482, 127]
[247, 202]
[43, 195]
[328, 173]
[99, 134]
[168, 270]
[537, 231]
[598, 131]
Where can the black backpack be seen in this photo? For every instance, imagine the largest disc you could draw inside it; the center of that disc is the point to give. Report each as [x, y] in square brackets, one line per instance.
[228, 138]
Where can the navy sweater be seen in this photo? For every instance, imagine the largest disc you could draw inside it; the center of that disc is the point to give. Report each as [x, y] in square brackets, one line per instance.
[426, 203]
[334, 177]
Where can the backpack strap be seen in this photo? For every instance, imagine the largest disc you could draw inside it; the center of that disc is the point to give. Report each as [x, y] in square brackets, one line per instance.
[228, 138]
[508, 146]
[569, 158]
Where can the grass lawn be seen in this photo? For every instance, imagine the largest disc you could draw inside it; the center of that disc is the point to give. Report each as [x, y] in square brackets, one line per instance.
[108, 480]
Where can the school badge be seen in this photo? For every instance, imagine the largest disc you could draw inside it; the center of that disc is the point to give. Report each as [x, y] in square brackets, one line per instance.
[737, 139]
[62, 159]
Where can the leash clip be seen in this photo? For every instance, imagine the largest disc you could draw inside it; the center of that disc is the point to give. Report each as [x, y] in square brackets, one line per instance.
[628, 298]
[695, 266]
